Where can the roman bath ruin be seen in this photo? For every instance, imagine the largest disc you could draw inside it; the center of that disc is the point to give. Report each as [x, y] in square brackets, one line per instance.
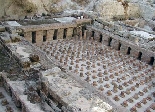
[78, 62]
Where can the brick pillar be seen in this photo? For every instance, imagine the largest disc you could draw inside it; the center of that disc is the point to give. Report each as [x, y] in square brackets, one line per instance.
[39, 37]
[60, 33]
[28, 36]
[50, 34]
[69, 33]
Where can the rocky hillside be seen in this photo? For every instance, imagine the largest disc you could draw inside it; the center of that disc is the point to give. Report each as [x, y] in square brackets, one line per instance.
[18, 9]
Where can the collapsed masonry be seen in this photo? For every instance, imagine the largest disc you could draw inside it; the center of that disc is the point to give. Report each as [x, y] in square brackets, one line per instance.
[52, 78]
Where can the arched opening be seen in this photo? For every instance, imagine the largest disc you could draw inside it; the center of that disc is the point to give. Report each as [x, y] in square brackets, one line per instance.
[33, 37]
[65, 33]
[128, 52]
[74, 32]
[44, 35]
[119, 46]
[109, 42]
[44, 38]
[139, 56]
[151, 61]
[100, 38]
[93, 34]
[83, 30]
[55, 34]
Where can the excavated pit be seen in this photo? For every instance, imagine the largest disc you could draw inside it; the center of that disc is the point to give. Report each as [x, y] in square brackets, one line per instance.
[124, 80]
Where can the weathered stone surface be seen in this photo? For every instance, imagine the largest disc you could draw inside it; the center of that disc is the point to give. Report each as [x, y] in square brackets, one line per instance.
[69, 33]
[34, 58]
[2, 28]
[28, 36]
[50, 34]
[15, 37]
[25, 62]
[60, 33]
[5, 37]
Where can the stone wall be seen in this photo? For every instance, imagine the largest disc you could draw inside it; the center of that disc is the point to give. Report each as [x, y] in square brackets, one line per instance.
[126, 47]
[64, 30]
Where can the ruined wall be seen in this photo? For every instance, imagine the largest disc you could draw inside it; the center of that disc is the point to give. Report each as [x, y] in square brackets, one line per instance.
[124, 46]
[54, 31]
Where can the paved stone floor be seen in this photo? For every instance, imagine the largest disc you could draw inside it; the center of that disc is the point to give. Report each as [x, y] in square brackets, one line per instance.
[125, 80]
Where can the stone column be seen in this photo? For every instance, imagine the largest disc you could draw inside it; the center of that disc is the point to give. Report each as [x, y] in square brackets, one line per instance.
[115, 44]
[50, 34]
[79, 32]
[69, 33]
[146, 56]
[105, 39]
[28, 36]
[123, 49]
[85, 35]
[80, 35]
[60, 33]
[96, 36]
[88, 34]
[134, 53]
[39, 37]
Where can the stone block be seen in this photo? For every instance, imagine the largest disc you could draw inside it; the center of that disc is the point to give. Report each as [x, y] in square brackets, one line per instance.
[39, 37]
[28, 36]
[79, 30]
[25, 62]
[50, 34]
[2, 28]
[6, 39]
[88, 34]
[60, 33]
[15, 37]
[115, 44]
[85, 35]
[146, 57]
[124, 49]
[134, 53]
[105, 39]
[69, 33]
[97, 36]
